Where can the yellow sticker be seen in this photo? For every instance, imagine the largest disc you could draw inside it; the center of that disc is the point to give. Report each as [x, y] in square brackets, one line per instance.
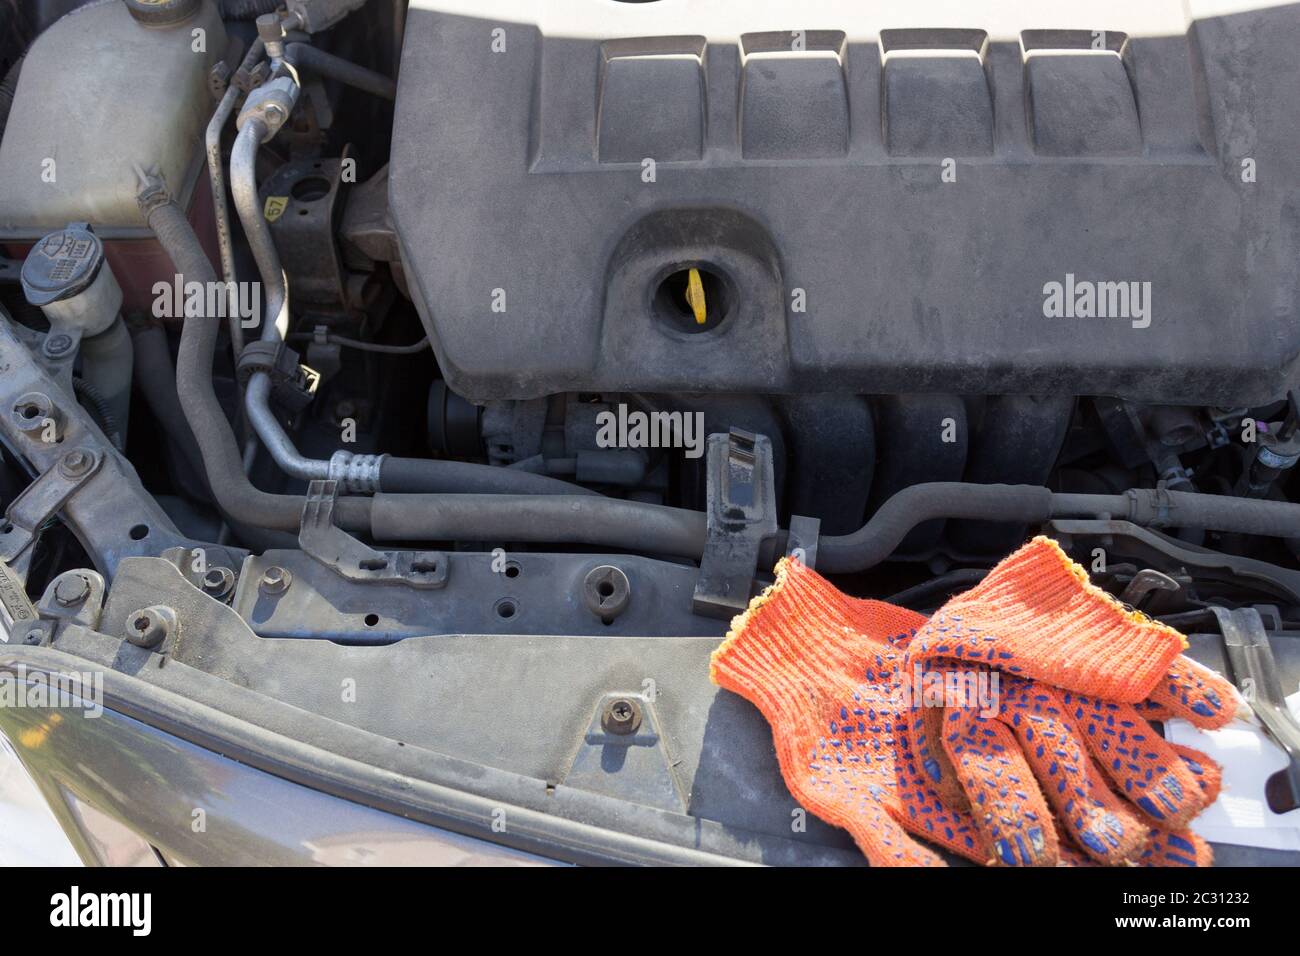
[275, 207]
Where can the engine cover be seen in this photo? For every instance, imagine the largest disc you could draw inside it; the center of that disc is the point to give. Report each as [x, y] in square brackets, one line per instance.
[1088, 198]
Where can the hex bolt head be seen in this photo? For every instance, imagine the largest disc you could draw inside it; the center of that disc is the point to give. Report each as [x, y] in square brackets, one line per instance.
[275, 580]
[621, 716]
[149, 626]
[606, 592]
[71, 589]
[218, 582]
[77, 462]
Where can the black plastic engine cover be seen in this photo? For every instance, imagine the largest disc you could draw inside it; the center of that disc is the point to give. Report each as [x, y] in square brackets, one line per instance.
[916, 190]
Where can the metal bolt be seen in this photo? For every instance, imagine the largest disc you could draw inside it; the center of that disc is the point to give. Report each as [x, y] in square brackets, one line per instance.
[275, 580]
[72, 588]
[218, 582]
[58, 344]
[34, 636]
[77, 462]
[149, 626]
[621, 716]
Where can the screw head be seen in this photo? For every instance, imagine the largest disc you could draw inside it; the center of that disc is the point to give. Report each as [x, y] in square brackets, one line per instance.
[622, 716]
[149, 626]
[71, 589]
[275, 580]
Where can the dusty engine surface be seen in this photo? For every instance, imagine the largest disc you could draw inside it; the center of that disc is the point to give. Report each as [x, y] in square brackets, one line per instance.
[423, 405]
[1082, 200]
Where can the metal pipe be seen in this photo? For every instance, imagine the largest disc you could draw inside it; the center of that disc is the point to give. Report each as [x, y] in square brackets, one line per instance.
[243, 187]
[235, 494]
[275, 321]
[217, 181]
[257, 403]
[356, 473]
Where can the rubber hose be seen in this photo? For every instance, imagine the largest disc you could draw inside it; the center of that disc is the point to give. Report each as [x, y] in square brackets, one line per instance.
[156, 379]
[247, 9]
[633, 526]
[8, 87]
[878, 538]
[307, 57]
[427, 476]
[95, 403]
[235, 495]
[1188, 509]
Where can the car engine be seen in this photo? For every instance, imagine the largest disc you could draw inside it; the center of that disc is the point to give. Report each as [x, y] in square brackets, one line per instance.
[491, 354]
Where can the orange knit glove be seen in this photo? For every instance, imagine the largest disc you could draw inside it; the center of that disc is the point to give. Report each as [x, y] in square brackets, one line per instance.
[827, 671]
[822, 668]
[1073, 743]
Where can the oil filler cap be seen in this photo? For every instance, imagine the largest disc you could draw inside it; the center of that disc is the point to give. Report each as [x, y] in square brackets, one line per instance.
[162, 13]
[62, 265]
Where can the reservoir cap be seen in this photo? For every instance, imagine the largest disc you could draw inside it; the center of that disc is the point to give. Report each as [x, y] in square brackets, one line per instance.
[162, 13]
[62, 265]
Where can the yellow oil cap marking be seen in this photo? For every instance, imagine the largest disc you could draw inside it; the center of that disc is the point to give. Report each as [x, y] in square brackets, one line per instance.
[695, 297]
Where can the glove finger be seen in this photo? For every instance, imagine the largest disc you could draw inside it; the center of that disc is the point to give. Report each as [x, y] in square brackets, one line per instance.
[1181, 848]
[1005, 801]
[1093, 817]
[920, 809]
[1145, 769]
[929, 731]
[847, 778]
[1208, 774]
[1193, 692]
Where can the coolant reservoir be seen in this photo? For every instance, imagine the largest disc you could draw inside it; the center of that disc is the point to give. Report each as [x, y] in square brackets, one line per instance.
[104, 88]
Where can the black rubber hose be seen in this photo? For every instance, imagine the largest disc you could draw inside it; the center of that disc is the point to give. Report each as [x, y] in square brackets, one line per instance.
[876, 540]
[632, 526]
[304, 56]
[1187, 509]
[1031, 504]
[428, 476]
[235, 495]
[8, 87]
[155, 376]
[937, 590]
[94, 402]
[247, 9]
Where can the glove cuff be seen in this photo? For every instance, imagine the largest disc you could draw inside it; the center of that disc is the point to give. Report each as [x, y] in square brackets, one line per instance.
[802, 633]
[1037, 615]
